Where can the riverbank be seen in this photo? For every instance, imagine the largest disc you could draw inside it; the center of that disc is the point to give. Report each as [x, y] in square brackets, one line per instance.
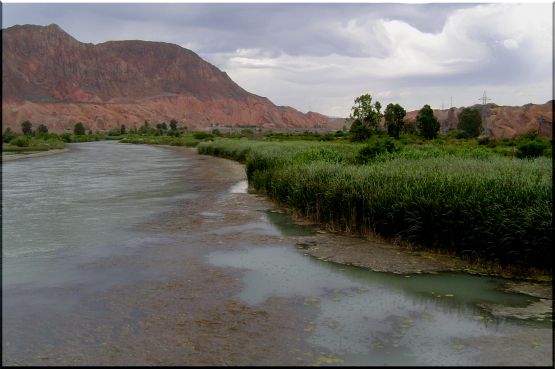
[467, 202]
[22, 155]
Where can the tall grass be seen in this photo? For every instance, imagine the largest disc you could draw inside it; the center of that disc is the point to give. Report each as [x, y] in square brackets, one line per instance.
[467, 200]
[185, 140]
[26, 143]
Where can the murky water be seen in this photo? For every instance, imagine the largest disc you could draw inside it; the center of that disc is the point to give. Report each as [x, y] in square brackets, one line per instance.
[107, 248]
[373, 318]
[66, 218]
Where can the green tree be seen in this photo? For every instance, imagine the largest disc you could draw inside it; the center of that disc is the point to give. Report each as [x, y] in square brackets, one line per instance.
[394, 114]
[470, 121]
[143, 130]
[123, 129]
[427, 123]
[162, 127]
[366, 117]
[79, 129]
[173, 124]
[359, 131]
[42, 130]
[8, 135]
[26, 128]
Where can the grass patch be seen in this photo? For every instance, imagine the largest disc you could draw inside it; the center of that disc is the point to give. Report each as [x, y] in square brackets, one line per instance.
[186, 140]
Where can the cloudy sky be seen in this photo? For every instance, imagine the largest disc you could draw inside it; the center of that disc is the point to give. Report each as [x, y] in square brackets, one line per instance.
[319, 57]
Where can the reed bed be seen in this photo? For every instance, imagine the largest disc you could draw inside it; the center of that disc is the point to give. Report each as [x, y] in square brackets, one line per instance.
[186, 141]
[468, 201]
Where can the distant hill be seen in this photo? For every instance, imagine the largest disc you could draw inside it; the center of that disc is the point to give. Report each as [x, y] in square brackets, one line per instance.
[502, 121]
[49, 77]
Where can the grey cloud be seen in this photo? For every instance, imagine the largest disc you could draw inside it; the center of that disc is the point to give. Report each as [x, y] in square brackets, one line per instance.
[295, 29]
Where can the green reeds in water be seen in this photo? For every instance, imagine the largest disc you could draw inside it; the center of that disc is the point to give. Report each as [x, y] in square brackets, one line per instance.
[467, 200]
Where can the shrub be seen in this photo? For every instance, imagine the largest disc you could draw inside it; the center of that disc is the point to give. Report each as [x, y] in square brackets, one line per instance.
[531, 148]
[79, 129]
[202, 135]
[66, 137]
[42, 130]
[21, 141]
[8, 135]
[372, 150]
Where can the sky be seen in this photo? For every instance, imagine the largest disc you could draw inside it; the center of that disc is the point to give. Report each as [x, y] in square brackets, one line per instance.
[321, 56]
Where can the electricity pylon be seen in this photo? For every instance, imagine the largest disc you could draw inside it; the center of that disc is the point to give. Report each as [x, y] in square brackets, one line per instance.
[484, 100]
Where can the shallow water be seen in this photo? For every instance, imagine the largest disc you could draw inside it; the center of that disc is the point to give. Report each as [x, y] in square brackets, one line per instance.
[66, 219]
[86, 258]
[371, 318]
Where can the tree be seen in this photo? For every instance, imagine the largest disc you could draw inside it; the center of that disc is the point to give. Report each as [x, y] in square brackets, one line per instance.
[173, 124]
[366, 117]
[427, 123]
[42, 129]
[359, 132]
[394, 115]
[123, 129]
[470, 121]
[26, 128]
[79, 129]
[143, 130]
[162, 126]
[8, 135]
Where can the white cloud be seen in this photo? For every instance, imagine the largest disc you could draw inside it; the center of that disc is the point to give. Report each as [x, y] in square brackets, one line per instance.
[410, 65]
[510, 43]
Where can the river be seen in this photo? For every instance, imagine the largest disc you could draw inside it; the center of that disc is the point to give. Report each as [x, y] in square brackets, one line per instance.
[119, 254]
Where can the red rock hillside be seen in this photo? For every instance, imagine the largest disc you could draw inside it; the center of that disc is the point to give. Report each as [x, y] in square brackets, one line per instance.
[49, 77]
[502, 121]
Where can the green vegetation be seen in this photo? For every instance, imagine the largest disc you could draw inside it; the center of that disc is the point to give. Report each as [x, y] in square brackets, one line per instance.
[182, 140]
[366, 117]
[79, 129]
[24, 143]
[394, 115]
[42, 140]
[470, 122]
[427, 123]
[447, 194]
[26, 128]
[8, 135]
[42, 130]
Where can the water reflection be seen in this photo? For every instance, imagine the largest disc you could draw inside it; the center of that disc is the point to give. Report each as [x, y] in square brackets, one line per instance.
[376, 318]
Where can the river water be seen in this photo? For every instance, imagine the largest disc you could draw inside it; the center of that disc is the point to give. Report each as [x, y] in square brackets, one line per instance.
[127, 254]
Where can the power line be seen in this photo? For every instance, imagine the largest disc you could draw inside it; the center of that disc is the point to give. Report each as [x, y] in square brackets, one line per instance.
[484, 100]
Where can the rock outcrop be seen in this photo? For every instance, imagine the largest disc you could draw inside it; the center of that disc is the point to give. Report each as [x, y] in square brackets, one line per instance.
[49, 77]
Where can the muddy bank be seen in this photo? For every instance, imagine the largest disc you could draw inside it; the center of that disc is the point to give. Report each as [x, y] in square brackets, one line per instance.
[13, 156]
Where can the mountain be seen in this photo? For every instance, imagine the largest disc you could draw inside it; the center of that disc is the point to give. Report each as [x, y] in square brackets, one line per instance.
[50, 77]
[501, 121]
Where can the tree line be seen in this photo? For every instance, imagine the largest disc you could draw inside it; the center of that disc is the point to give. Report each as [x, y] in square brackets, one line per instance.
[366, 117]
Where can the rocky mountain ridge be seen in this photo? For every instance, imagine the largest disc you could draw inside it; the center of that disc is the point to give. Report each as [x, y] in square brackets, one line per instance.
[50, 77]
